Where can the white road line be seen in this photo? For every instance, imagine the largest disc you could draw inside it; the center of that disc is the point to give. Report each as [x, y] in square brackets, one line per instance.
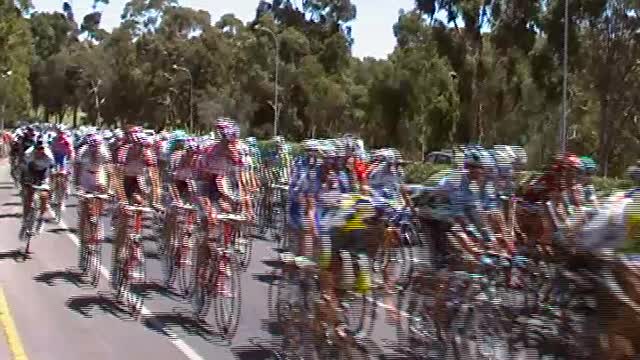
[173, 338]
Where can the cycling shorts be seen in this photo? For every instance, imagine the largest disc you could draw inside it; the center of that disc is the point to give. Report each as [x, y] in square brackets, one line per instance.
[132, 186]
[209, 188]
[61, 161]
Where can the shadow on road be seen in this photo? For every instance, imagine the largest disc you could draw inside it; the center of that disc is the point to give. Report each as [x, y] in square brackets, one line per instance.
[152, 255]
[147, 289]
[12, 203]
[84, 305]
[256, 351]
[176, 322]
[16, 255]
[266, 278]
[13, 215]
[273, 263]
[63, 230]
[6, 187]
[72, 276]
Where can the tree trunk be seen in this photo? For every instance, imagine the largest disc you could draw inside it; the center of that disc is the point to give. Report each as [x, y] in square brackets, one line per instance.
[75, 116]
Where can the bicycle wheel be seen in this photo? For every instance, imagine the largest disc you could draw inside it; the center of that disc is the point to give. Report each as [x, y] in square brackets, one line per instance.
[243, 247]
[228, 300]
[200, 297]
[359, 307]
[168, 253]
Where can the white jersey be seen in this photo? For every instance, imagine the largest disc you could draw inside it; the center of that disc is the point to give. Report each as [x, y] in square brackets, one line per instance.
[92, 167]
[615, 227]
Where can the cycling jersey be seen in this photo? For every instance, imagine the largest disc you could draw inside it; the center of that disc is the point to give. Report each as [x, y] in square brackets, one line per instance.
[135, 160]
[92, 163]
[38, 166]
[182, 167]
[62, 150]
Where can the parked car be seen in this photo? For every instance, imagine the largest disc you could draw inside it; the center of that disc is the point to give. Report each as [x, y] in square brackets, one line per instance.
[439, 157]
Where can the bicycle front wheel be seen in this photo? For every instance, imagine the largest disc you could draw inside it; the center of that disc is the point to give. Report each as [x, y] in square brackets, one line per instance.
[228, 299]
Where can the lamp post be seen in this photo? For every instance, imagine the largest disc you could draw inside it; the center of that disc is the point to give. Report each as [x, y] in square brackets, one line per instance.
[563, 130]
[95, 90]
[4, 100]
[276, 107]
[176, 67]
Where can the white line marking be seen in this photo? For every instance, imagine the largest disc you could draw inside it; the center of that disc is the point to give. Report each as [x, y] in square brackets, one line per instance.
[173, 338]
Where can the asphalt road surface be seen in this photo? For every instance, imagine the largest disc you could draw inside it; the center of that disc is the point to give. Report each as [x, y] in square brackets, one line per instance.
[58, 316]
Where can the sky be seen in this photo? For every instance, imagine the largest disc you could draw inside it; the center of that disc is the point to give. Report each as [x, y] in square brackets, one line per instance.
[372, 29]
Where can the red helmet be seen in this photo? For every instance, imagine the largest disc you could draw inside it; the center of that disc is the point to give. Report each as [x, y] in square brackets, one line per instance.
[567, 161]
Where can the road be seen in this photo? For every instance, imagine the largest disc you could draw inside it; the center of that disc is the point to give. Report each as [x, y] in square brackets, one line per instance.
[56, 315]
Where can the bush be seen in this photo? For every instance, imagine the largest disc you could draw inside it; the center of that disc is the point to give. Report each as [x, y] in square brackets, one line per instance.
[607, 186]
[425, 173]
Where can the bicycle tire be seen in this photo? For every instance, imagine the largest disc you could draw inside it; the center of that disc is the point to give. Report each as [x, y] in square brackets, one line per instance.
[200, 298]
[167, 255]
[228, 309]
[245, 247]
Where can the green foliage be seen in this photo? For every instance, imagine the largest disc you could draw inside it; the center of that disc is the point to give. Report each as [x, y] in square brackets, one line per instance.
[424, 173]
[462, 70]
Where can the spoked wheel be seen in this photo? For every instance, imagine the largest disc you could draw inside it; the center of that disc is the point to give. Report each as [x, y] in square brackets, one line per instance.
[409, 243]
[357, 302]
[243, 247]
[58, 196]
[228, 297]
[90, 256]
[392, 265]
[130, 270]
[203, 281]
[92, 263]
[418, 331]
[167, 254]
[486, 338]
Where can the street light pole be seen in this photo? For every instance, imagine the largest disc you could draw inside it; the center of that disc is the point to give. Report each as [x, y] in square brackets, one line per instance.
[276, 107]
[4, 99]
[563, 131]
[176, 67]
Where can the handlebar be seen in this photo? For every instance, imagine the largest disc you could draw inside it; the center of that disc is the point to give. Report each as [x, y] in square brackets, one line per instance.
[137, 208]
[231, 217]
[40, 187]
[92, 196]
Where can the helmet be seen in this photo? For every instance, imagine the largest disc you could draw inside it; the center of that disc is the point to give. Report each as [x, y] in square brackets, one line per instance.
[191, 145]
[310, 145]
[473, 159]
[503, 162]
[279, 140]
[588, 166]
[94, 140]
[564, 162]
[228, 129]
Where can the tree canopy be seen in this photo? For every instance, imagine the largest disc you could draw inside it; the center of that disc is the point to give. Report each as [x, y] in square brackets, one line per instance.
[462, 71]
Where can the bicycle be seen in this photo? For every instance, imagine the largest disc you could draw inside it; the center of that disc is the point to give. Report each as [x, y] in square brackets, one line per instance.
[90, 212]
[217, 276]
[307, 318]
[177, 249]
[129, 260]
[60, 183]
[34, 219]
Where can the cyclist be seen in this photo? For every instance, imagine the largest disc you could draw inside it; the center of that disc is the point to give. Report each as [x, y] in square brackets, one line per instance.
[92, 168]
[92, 165]
[63, 154]
[38, 164]
[134, 162]
[587, 171]
[304, 189]
[546, 196]
[218, 162]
